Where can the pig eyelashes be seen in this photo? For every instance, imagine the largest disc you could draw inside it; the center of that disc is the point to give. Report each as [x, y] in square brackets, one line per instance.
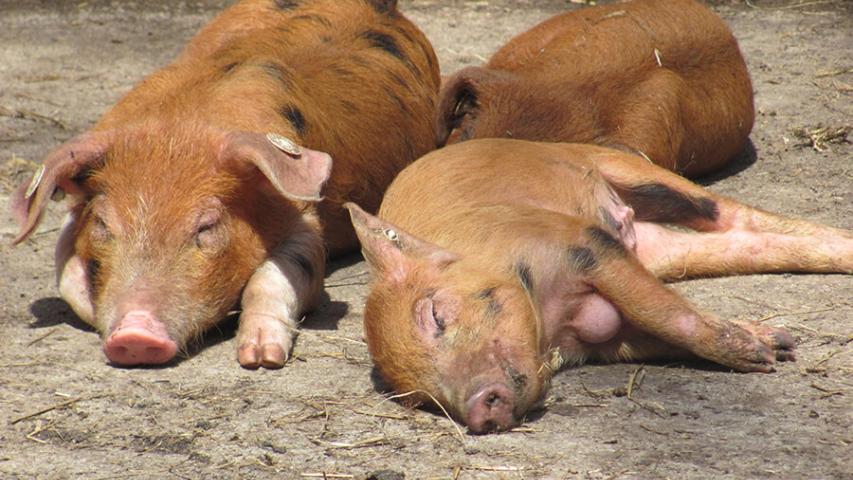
[208, 234]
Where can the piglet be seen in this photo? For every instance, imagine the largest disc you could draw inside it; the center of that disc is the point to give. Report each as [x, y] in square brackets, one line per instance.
[211, 182]
[496, 262]
[660, 78]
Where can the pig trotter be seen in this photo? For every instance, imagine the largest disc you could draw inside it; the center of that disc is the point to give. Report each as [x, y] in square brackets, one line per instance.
[749, 347]
[286, 285]
[264, 341]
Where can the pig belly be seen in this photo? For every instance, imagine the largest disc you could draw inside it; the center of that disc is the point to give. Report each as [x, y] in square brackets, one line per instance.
[596, 321]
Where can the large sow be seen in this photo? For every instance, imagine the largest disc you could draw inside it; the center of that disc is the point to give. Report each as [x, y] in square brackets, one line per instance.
[211, 182]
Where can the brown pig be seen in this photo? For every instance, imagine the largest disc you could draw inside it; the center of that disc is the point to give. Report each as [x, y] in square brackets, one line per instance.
[660, 78]
[497, 261]
[206, 185]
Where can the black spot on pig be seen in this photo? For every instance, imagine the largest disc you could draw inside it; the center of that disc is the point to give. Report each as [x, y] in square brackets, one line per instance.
[384, 42]
[384, 6]
[582, 259]
[286, 4]
[295, 117]
[602, 239]
[656, 202]
[303, 263]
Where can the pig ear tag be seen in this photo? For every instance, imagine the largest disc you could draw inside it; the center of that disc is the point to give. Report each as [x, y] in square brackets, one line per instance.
[284, 144]
[34, 183]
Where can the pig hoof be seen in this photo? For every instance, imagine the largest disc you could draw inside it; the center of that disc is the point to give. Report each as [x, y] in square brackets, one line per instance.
[778, 340]
[757, 347]
[264, 341]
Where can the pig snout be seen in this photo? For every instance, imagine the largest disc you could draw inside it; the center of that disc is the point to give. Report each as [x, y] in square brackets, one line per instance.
[490, 408]
[139, 338]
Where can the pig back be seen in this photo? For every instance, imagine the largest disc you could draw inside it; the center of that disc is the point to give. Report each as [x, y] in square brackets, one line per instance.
[442, 197]
[353, 78]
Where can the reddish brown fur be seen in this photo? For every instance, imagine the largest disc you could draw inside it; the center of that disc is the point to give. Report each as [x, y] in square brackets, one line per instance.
[521, 224]
[591, 76]
[331, 75]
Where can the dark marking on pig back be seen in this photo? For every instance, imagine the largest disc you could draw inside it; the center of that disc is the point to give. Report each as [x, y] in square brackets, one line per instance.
[386, 7]
[293, 115]
[494, 307]
[656, 202]
[388, 44]
[286, 4]
[581, 259]
[522, 270]
[604, 241]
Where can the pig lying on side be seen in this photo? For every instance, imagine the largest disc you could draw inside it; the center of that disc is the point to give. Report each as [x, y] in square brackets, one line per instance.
[660, 78]
[495, 262]
[181, 202]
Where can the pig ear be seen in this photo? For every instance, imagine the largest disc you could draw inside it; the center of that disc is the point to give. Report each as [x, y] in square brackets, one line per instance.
[390, 251]
[458, 97]
[296, 172]
[57, 173]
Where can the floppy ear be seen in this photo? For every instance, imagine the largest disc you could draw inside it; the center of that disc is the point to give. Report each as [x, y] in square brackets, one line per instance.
[294, 171]
[391, 252]
[461, 95]
[57, 173]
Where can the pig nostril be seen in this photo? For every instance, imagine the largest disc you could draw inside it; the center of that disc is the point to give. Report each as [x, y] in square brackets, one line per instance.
[492, 400]
[490, 426]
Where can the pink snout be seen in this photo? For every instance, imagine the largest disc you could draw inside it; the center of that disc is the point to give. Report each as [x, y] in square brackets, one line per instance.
[490, 409]
[139, 339]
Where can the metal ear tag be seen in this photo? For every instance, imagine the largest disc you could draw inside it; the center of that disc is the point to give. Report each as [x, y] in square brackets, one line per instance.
[391, 234]
[284, 144]
[34, 183]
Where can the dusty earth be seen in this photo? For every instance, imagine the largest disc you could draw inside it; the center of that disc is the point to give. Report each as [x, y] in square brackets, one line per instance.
[65, 413]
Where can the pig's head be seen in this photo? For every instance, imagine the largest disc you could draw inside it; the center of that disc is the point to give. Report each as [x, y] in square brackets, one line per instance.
[479, 102]
[166, 227]
[438, 329]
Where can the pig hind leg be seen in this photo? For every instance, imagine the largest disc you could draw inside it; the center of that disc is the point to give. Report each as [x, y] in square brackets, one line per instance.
[734, 238]
[287, 284]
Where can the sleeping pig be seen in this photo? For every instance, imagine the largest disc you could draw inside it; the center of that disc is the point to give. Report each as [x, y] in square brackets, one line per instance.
[211, 183]
[663, 79]
[496, 261]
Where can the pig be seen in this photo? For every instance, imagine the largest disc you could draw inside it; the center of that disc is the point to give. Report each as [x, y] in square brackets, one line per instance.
[497, 261]
[663, 79]
[210, 184]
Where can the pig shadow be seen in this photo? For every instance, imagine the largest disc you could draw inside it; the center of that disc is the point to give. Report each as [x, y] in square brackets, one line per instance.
[745, 159]
[53, 311]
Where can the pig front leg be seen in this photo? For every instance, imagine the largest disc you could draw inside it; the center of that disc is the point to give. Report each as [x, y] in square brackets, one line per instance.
[652, 308]
[285, 286]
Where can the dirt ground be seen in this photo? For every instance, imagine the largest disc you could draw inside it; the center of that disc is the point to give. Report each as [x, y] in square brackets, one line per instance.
[65, 413]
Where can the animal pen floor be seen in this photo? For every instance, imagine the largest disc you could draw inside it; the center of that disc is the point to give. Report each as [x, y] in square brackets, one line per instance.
[65, 413]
